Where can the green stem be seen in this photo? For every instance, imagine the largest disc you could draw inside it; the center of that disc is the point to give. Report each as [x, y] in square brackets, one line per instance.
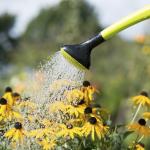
[80, 145]
[138, 109]
[141, 138]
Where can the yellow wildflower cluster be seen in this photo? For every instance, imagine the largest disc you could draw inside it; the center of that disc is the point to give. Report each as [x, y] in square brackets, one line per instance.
[140, 126]
[81, 118]
[7, 102]
[11, 107]
[77, 120]
[23, 121]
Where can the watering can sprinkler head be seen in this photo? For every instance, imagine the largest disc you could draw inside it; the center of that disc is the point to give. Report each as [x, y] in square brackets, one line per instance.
[79, 54]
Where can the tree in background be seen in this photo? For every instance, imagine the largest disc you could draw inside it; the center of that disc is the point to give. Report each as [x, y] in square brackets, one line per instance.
[7, 42]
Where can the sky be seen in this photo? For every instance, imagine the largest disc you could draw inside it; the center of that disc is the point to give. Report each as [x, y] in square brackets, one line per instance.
[108, 11]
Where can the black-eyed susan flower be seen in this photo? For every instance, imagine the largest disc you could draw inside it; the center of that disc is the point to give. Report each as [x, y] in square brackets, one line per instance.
[140, 146]
[4, 109]
[140, 127]
[16, 134]
[88, 91]
[4, 106]
[69, 130]
[146, 115]
[8, 96]
[94, 127]
[91, 112]
[6, 112]
[141, 99]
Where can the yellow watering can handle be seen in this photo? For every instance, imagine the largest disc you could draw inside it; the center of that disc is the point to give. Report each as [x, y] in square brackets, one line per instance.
[126, 22]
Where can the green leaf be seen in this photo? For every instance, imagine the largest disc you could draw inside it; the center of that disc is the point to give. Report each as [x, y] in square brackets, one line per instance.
[126, 134]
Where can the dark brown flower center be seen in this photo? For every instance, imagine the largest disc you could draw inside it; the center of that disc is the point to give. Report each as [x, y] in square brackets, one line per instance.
[81, 102]
[88, 110]
[92, 120]
[8, 89]
[18, 125]
[144, 93]
[86, 83]
[142, 122]
[69, 126]
[3, 101]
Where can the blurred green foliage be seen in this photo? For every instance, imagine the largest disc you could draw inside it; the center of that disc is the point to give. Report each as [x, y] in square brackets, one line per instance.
[8, 46]
[7, 42]
[119, 67]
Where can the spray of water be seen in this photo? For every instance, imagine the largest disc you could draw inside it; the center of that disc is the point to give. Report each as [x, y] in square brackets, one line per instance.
[58, 76]
[47, 86]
